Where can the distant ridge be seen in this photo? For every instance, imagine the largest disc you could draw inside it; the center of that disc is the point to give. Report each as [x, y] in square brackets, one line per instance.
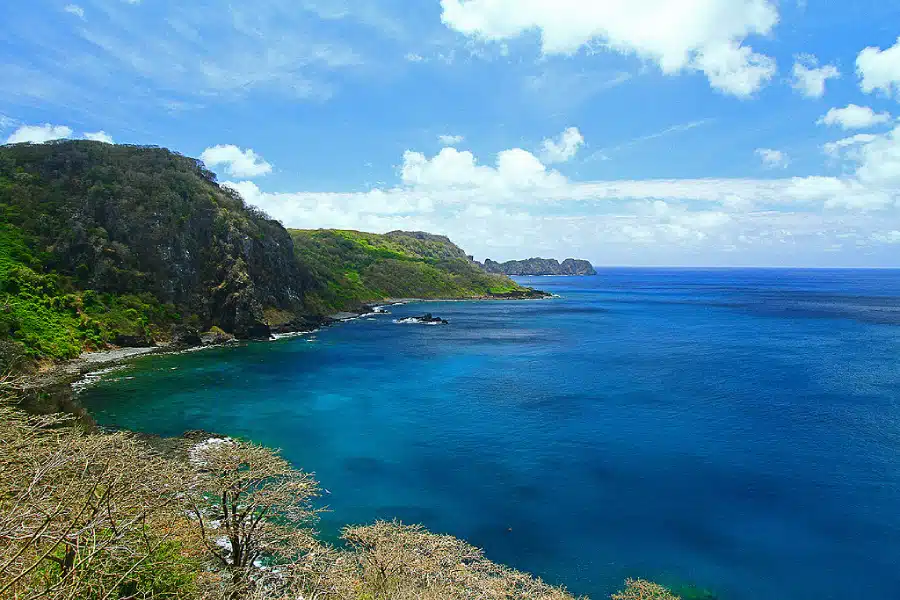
[540, 266]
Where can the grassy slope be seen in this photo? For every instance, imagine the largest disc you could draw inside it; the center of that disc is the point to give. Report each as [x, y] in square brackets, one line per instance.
[360, 267]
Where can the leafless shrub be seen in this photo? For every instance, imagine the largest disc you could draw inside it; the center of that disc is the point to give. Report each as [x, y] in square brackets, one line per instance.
[79, 513]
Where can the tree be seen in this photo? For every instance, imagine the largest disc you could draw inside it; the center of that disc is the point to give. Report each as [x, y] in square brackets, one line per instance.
[395, 561]
[251, 505]
[81, 515]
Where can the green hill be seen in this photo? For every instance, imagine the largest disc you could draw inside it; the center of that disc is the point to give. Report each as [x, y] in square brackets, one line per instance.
[123, 245]
[360, 267]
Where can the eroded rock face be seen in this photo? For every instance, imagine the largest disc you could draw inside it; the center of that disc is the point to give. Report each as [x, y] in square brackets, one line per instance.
[540, 266]
[144, 220]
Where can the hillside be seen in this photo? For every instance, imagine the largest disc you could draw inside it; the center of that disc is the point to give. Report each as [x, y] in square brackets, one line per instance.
[123, 245]
[364, 267]
[540, 266]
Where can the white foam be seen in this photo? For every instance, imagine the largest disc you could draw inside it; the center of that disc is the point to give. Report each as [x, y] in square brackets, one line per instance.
[293, 334]
[196, 452]
[95, 377]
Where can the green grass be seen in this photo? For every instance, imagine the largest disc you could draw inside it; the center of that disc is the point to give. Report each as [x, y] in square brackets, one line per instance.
[359, 267]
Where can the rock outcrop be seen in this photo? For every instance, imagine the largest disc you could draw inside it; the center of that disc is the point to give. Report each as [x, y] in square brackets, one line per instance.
[540, 266]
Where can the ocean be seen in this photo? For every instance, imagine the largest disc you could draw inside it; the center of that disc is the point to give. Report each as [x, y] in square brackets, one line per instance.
[738, 429]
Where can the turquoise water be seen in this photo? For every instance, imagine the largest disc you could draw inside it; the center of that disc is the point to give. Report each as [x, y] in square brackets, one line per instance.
[735, 428]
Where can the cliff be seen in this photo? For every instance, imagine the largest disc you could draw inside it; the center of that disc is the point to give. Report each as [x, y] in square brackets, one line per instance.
[540, 266]
[123, 245]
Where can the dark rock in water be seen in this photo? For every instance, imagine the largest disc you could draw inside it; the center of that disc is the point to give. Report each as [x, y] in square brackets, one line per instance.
[540, 266]
[426, 319]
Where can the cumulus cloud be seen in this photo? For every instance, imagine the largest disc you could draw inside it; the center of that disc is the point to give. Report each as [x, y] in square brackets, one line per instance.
[854, 117]
[497, 208]
[677, 35]
[450, 140]
[74, 9]
[99, 136]
[515, 170]
[773, 159]
[236, 162]
[879, 70]
[809, 78]
[879, 160]
[562, 148]
[38, 134]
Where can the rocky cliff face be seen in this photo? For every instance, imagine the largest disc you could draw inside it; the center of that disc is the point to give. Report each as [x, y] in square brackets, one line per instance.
[540, 266]
[131, 220]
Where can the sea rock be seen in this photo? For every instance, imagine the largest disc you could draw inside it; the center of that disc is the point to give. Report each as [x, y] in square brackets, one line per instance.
[426, 319]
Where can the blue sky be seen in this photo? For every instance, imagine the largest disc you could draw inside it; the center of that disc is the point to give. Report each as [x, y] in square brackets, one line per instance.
[629, 132]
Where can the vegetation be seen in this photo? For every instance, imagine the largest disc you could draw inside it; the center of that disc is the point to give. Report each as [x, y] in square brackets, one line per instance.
[356, 267]
[104, 516]
[124, 245]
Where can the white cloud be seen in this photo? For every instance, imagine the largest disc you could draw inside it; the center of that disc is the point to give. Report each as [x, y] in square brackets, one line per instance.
[854, 117]
[517, 203]
[879, 160]
[809, 78]
[237, 162]
[836, 149]
[677, 35]
[38, 134]
[450, 140]
[879, 70]
[74, 9]
[563, 148]
[6, 122]
[773, 159]
[887, 237]
[415, 58]
[99, 136]
[515, 170]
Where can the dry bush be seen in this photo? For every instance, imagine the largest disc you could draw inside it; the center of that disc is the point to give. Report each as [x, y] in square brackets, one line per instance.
[81, 515]
[252, 508]
[390, 560]
[639, 589]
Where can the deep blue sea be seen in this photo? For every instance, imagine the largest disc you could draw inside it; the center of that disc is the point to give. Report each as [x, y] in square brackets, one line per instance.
[739, 429]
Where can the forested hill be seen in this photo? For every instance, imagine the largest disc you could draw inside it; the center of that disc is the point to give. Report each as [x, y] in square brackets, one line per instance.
[106, 244]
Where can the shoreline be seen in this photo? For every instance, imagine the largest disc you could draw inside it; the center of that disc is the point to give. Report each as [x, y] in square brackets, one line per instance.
[67, 374]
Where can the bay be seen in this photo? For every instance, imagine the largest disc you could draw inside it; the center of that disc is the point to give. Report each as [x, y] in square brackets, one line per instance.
[736, 428]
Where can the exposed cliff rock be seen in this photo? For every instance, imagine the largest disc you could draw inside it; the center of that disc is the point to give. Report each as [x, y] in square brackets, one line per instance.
[129, 220]
[540, 266]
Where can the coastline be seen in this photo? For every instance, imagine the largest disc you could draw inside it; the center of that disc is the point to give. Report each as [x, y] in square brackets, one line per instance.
[54, 388]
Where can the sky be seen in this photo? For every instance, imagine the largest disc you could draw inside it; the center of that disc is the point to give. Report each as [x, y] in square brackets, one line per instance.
[627, 132]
